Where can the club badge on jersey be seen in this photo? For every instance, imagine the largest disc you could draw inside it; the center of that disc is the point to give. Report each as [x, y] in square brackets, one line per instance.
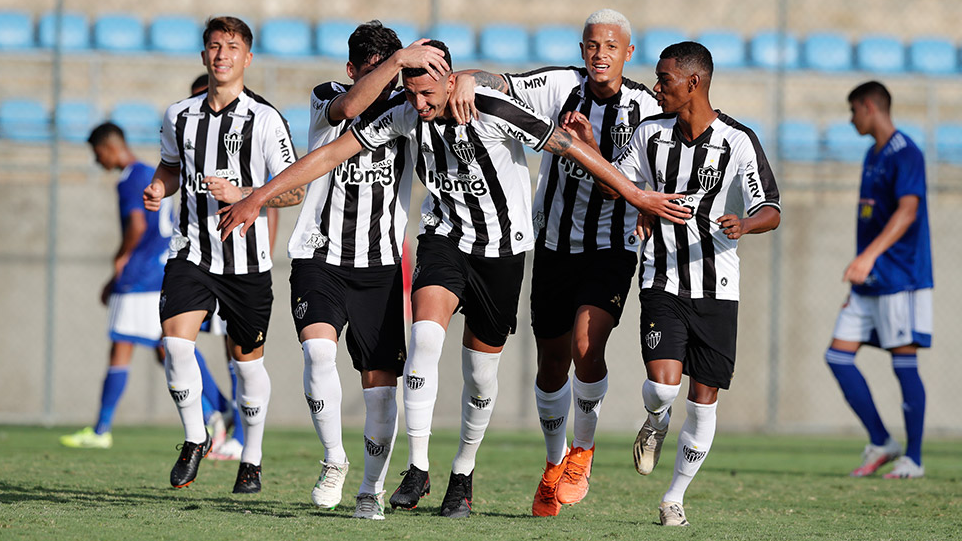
[463, 148]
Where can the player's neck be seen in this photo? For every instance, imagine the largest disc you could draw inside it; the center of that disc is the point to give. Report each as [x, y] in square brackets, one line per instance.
[127, 159]
[696, 118]
[605, 90]
[220, 96]
[882, 133]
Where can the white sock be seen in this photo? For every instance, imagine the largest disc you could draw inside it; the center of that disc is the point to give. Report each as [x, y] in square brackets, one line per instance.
[588, 397]
[380, 429]
[322, 389]
[421, 388]
[552, 412]
[658, 398]
[186, 386]
[253, 395]
[480, 392]
[694, 442]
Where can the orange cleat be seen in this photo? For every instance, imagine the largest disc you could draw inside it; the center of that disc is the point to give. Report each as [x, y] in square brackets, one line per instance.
[545, 503]
[573, 486]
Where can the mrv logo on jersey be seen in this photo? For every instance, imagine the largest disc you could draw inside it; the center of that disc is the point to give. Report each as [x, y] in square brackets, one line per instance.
[352, 173]
[460, 183]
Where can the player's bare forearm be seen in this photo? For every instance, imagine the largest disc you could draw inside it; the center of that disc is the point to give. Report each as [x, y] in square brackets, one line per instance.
[287, 199]
[170, 177]
[490, 80]
[766, 219]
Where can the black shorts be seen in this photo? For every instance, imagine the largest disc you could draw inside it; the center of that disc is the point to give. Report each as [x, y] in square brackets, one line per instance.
[488, 288]
[245, 299]
[369, 301]
[562, 282]
[698, 332]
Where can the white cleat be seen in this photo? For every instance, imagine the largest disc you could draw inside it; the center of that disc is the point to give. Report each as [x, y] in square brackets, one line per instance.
[217, 429]
[229, 450]
[672, 514]
[647, 447]
[370, 506]
[327, 490]
[876, 456]
[906, 468]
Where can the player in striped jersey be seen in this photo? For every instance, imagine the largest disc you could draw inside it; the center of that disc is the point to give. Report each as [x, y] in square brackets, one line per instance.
[215, 147]
[475, 228]
[689, 296]
[346, 250]
[586, 245]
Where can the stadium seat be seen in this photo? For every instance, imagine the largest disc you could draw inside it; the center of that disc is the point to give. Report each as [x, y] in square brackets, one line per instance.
[763, 50]
[74, 31]
[933, 56]
[798, 141]
[948, 144]
[844, 144]
[119, 33]
[558, 45]
[758, 127]
[16, 30]
[406, 32]
[727, 48]
[139, 120]
[331, 38]
[827, 51]
[504, 44]
[652, 42]
[299, 119]
[286, 37]
[460, 40]
[74, 120]
[880, 54]
[176, 35]
[24, 120]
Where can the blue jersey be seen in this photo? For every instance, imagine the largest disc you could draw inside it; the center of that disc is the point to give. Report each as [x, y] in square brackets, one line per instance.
[898, 170]
[145, 269]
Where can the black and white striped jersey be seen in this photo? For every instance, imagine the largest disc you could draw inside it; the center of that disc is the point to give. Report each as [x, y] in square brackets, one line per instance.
[354, 216]
[479, 188]
[248, 142]
[570, 212]
[723, 171]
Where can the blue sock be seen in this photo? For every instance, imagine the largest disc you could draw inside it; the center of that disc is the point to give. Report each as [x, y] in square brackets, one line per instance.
[113, 389]
[913, 402]
[213, 399]
[857, 393]
[238, 425]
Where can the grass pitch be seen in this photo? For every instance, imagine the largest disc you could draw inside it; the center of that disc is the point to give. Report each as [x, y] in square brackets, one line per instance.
[751, 487]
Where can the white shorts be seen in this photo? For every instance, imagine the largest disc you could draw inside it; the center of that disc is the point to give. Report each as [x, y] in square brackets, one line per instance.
[887, 321]
[134, 318]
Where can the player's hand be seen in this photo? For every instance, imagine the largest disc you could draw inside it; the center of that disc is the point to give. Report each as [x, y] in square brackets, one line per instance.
[107, 291]
[645, 225]
[732, 226]
[153, 195]
[859, 269]
[661, 205]
[579, 127]
[242, 213]
[462, 99]
[222, 189]
[419, 55]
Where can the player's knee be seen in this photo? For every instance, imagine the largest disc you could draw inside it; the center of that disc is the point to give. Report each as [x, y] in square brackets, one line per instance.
[179, 349]
[588, 351]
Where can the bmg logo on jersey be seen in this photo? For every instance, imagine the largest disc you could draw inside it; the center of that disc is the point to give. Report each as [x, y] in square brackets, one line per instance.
[573, 170]
[461, 183]
[352, 173]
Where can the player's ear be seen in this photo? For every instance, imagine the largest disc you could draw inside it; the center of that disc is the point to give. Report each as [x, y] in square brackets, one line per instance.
[247, 59]
[631, 49]
[693, 81]
[351, 70]
[581, 47]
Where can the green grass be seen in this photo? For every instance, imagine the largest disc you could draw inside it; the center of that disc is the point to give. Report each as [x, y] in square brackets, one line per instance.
[751, 487]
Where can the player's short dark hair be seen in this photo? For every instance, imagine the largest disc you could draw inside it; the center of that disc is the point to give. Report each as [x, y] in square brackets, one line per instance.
[229, 25]
[103, 132]
[199, 85]
[437, 44]
[873, 90]
[690, 55]
[369, 40]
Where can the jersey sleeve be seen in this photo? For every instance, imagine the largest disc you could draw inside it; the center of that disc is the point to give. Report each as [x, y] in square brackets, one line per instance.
[758, 182]
[321, 99]
[543, 90]
[910, 172]
[130, 192]
[379, 125]
[169, 153]
[633, 162]
[513, 119]
[278, 147]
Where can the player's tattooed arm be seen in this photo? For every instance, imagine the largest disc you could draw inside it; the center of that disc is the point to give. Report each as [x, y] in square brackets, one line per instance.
[559, 142]
[287, 199]
[462, 97]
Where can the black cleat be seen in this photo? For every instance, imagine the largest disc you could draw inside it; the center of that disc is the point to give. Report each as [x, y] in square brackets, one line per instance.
[457, 499]
[185, 470]
[248, 479]
[414, 486]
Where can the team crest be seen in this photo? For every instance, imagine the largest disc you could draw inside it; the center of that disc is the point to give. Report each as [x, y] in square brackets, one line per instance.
[480, 403]
[372, 448]
[652, 339]
[539, 220]
[317, 241]
[178, 242]
[179, 396]
[316, 406]
[464, 150]
[414, 382]
[693, 455]
[708, 177]
[233, 142]
[301, 311]
[552, 424]
[621, 134]
[429, 219]
[587, 406]
[250, 411]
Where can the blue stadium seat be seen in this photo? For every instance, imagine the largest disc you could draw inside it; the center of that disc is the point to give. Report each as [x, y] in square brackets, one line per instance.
[933, 56]
[504, 44]
[948, 144]
[176, 35]
[758, 127]
[763, 50]
[74, 31]
[139, 120]
[798, 141]
[299, 119]
[827, 51]
[460, 40]
[119, 33]
[24, 120]
[286, 37]
[916, 133]
[558, 45]
[880, 54]
[654, 41]
[16, 30]
[331, 38]
[727, 48]
[406, 32]
[74, 120]
[844, 144]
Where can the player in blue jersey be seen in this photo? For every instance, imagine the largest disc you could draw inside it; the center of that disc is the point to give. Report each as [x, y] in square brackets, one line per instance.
[890, 305]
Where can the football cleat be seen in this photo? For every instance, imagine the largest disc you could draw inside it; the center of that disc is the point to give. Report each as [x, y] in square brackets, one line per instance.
[906, 468]
[87, 439]
[672, 514]
[217, 430]
[876, 456]
[647, 447]
[573, 486]
[415, 485]
[546, 502]
[248, 479]
[458, 497]
[370, 506]
[185, 469]
[330, 485]
[229, 450]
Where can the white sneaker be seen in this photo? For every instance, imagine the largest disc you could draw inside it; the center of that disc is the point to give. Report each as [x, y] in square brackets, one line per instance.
[327, 490]
[370, 506]
[876, 456]
[229, 450]
[647, 447]
[217, 429]
[906, 468]
[672, 514]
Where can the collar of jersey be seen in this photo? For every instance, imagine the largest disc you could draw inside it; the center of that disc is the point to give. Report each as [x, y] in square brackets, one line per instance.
[205, 107]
